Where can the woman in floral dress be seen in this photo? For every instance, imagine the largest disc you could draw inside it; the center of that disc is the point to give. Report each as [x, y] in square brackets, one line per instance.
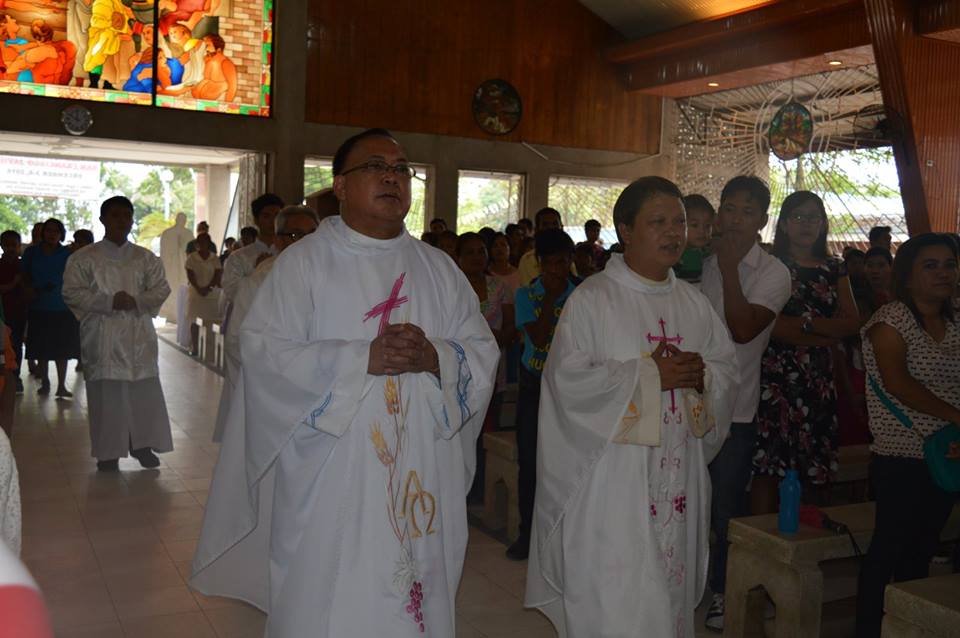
[797, 416]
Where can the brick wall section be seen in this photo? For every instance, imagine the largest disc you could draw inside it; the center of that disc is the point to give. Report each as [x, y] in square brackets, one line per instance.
[243, 34]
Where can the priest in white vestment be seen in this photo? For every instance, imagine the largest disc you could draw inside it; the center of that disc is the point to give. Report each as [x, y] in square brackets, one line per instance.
[338, 504]
[173, 246]
[292, 223]
[115, 289]
[239, 266]
[637, 394]
[243, 261]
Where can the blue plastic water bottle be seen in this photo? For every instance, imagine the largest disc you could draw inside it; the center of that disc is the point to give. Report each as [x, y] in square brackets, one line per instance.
[789, 519]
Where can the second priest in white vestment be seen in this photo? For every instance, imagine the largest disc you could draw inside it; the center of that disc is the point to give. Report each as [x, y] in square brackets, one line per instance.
[621, 523]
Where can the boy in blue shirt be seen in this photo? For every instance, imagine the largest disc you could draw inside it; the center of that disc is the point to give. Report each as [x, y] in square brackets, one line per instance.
[537, 311]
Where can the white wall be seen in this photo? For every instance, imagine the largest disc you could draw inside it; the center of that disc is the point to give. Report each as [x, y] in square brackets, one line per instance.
[218, 199]
[447, 155]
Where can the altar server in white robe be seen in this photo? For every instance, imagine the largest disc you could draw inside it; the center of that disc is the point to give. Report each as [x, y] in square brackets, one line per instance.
[637, 394]
[292, 223]
[338, 504]
[115, 289]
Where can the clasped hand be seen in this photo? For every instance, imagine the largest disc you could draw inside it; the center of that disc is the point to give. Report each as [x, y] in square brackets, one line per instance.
[678, 369]
[402, 348]
[124, 301]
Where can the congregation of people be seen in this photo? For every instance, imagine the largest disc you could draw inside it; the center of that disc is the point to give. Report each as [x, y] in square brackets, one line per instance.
[663, 385]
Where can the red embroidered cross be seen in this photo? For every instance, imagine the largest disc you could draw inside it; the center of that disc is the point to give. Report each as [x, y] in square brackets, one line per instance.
[384, 308]
[665, 339]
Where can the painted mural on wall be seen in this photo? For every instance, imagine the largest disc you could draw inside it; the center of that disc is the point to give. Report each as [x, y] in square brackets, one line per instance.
[204, 55]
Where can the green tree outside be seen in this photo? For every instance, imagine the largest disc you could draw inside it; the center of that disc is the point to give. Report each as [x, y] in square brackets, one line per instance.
[487, 201]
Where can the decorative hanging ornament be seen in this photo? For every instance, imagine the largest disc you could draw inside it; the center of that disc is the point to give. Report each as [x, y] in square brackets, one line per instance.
[791, 131]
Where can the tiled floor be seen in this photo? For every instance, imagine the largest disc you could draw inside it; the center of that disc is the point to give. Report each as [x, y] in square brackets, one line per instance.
[112, 552]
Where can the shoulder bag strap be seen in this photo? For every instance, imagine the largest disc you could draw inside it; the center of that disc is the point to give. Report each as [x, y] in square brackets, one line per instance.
[888, 404]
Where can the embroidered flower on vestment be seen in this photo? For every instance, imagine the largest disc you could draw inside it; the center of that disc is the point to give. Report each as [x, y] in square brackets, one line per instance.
[380, 445]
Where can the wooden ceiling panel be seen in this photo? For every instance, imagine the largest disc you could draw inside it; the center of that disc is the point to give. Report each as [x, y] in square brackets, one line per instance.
[939, 19]
[850, 58]
[639, 18]
[774, 42]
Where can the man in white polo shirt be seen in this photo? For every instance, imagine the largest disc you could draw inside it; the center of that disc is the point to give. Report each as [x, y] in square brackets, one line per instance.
[748, 288]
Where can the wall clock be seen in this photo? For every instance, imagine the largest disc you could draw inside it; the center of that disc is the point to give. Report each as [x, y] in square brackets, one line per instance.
[77, 119]
[497, 107]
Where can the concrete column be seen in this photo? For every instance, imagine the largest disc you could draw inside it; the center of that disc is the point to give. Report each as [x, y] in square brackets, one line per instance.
[916, 95]
[446, 179]
[218, 200]
[536, 190]
[285, 165]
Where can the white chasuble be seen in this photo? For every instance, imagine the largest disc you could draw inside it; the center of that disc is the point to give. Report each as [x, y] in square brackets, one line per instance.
[338, 504]
[246, 290]
[621, 522]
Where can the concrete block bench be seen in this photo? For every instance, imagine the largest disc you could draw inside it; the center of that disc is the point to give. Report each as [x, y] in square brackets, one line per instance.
[218, 353]
[500, 504]
[925, 608]
[206, 340]
[788, 567]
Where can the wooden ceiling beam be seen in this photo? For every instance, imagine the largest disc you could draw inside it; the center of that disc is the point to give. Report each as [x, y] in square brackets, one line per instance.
[939, 19]
[776, 41]
[737, 25]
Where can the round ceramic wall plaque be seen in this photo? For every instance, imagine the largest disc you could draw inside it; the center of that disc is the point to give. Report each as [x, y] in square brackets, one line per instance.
[497, 107]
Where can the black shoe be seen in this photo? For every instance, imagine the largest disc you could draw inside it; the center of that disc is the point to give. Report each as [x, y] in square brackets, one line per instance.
[520, 549]
[146, 457]
[19, 385]
[44, 389]
[63, 393]
[112, 465]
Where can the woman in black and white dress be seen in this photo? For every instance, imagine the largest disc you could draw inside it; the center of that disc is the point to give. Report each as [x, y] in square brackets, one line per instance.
[911, 351]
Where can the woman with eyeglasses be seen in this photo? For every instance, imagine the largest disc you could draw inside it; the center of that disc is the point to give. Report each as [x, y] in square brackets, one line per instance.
[911, 348]
[797, 416]
[291, 224]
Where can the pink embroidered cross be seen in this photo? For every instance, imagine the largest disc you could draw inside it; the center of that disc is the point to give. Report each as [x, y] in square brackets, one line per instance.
[384, 308]
[665, 339]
